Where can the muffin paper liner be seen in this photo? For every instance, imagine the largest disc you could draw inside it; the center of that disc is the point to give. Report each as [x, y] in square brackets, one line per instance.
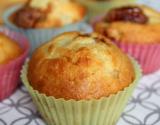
[10, 72]
[98, 7]
[103, 111]
[148, 55]
[39, 36]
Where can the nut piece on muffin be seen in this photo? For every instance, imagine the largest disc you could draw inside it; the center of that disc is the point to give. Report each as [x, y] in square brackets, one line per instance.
[133, 24]
[48, 14]
[80, 66]
[9, 50]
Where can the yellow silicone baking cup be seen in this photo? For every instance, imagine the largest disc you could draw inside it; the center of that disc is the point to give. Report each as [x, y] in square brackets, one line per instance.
[103, 111]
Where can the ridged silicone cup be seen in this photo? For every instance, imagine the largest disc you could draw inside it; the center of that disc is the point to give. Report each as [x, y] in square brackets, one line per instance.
[39, 36]
[101, 7]
[148, 55]
[104, 111]
[10, 73]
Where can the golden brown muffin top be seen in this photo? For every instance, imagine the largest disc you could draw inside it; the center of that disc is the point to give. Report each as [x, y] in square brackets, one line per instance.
[131, 32]
[80, 66]
[9, 50]
[48, 14]
[129, 25]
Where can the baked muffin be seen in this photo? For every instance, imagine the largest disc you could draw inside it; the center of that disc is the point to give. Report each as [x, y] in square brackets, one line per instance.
[136, 30]
[14, 48]
[9, 49]
[47, 14]
[137, 16]
[77, 66]
[82, 74]
[41, 20]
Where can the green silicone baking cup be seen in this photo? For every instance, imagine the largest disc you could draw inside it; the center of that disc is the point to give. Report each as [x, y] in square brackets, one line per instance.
[103, 111]
[100, 7]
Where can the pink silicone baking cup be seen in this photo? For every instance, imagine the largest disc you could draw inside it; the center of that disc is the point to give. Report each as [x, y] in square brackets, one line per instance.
[9, 73]
[147, 55]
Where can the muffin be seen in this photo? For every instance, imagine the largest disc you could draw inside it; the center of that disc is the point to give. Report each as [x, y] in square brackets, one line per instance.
[9, 49]
[40, 20]
[13, 50]
[136, 30]
[79, 73]
[48, 14]
[96, 7]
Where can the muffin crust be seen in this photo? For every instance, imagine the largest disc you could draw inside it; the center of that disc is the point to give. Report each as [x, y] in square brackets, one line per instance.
[131, 32]
[132, 28]
[80, 66]
[48, 14]
[9, 49]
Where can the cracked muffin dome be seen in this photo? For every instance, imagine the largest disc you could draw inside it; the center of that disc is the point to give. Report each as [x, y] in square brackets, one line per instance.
[48, 14]
[9, 49]
[134, 24]
[133, 33]
[80, 66]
